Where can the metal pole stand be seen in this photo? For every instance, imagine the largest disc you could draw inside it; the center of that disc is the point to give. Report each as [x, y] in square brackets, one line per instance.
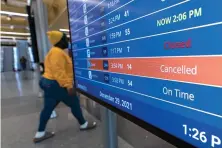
[109, 128]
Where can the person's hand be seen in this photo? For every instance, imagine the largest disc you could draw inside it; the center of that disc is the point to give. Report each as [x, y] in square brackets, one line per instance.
[70, 91]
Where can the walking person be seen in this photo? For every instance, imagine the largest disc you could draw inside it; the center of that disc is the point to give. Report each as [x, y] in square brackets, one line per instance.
[23, 63]
[57, 83]
[42, 69]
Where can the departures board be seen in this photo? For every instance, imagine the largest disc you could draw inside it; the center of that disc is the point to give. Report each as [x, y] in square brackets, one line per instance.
[157, 60]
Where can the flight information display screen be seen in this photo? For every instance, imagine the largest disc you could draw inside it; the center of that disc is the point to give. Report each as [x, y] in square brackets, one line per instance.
[158, 60]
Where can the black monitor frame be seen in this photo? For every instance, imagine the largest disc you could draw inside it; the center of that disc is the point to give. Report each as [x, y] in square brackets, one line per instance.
[152, 129]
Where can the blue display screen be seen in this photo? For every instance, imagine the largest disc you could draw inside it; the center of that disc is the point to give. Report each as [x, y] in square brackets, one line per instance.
[158, 60]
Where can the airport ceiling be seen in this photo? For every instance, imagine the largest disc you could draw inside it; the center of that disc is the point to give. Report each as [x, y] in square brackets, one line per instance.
[57, 16]
[13, 23]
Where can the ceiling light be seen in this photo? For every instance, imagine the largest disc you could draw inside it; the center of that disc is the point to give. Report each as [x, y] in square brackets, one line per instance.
[14, 33]
[13, 13]
[12, 37]
[64, 30]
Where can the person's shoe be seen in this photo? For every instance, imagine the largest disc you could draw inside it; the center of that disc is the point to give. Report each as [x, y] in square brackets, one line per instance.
[88, 126]
[47, 135]
[53, 115]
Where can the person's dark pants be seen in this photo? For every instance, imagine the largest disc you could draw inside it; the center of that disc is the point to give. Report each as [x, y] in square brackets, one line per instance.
[53, 95]
[23, 66]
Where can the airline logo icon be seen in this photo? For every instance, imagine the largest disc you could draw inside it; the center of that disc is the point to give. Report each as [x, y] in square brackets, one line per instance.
[88, 53]
[106, 78]
[87, 42]
[105, 65]
[90, 74]
[85, 20]
[103, 24]
[88, 64]
[84, 8]
[104, 38]
[102, 10]
[105, 51]
[86, 31]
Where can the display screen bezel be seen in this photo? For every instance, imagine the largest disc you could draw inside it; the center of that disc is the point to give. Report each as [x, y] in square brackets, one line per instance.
[152, 129]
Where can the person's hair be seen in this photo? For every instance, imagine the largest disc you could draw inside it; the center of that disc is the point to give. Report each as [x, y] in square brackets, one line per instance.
[63, 43]
[41, 64]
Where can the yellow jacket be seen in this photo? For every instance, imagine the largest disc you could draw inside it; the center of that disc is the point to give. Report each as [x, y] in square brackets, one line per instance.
[58, 66]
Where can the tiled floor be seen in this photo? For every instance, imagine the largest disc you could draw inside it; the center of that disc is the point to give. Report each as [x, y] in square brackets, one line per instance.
[20, 114]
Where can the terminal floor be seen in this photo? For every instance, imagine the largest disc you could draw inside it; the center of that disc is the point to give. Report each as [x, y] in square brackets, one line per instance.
[20, 113]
